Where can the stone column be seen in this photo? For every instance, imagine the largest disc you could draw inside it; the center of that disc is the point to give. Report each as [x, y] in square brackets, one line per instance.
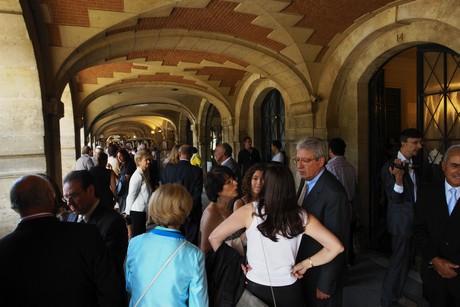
[22, 130]
[53, 111]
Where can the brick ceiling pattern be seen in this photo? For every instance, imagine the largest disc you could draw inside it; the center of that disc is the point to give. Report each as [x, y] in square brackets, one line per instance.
[75, 12]
[173, 57]
[228, 77]
[274, 32]
[328, 18]
[217, 17]
[90, 75]
[162, 77]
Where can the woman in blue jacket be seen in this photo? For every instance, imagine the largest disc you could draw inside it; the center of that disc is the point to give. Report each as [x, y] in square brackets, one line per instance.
[182, 282]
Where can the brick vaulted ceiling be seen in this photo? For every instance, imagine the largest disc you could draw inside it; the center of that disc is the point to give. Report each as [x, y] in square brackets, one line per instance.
[170, 55]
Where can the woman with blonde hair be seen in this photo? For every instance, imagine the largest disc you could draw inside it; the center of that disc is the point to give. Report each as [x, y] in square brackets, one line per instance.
[138, 195]
[162, 268]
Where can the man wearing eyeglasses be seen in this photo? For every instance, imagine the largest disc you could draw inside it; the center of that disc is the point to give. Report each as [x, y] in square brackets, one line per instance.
[400, 179]
[45, 262]
[80, 195]
[322, 195]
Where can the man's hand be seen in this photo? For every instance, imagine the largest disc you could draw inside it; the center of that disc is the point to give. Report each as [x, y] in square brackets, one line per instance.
[444, 267]
[321, 295]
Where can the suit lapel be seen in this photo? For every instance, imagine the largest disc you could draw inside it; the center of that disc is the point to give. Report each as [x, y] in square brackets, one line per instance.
[96, 214]
[312, 195]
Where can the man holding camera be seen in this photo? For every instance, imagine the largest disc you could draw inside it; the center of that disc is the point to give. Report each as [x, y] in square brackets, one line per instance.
[400, 180]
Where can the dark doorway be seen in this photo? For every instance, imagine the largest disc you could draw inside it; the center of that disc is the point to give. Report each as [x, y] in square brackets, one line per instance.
[385, 125]
[428, 99]
[273, 122]
[213, 135]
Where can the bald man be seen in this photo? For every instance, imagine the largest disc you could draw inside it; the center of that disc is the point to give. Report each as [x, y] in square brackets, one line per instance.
[45, 262]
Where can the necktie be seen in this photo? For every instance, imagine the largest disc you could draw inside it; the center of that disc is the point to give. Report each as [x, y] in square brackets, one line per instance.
[80, 219]
[411, 173]
[453, 200]
[302, 194]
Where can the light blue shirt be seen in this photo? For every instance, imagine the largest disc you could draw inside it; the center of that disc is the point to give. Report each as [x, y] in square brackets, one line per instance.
[312, 182]
[181, 283]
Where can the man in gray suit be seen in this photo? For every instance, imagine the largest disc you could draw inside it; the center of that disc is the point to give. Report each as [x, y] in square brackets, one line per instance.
[322, 195]
[400, 183]
[223, 156]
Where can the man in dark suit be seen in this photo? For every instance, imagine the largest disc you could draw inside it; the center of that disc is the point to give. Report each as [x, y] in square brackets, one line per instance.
[400, 181]
[322, 195]
[247, 156]
[191, 177]
[80, 195]
[436, 230]
[45, 262]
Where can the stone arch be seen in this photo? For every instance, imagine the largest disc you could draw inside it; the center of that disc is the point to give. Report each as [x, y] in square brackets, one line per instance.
[345, 110]
[249, 106]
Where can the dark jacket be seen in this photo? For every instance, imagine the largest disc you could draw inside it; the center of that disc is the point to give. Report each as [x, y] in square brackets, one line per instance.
[328, 202]
[225, 276]
[400, 215]
[191, 177]
[112, 228]
[45, 262]
[437, 235]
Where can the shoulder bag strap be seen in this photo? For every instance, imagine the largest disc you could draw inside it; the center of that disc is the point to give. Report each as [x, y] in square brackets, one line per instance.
[159, 272]
[268, 271]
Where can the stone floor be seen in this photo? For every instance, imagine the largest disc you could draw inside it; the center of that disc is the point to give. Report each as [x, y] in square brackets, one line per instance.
[365, 282]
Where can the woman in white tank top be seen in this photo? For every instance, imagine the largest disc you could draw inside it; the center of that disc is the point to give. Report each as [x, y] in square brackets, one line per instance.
[275, 226]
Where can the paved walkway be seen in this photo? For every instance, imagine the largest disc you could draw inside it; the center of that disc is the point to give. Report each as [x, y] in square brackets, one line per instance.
[365, 282]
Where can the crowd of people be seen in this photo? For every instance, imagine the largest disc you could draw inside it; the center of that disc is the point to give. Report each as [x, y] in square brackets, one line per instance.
[121, 233]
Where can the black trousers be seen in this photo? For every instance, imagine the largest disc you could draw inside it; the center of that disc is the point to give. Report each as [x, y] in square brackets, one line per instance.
[138, 221]
[398, 268]
[285, 296]
[442, 297]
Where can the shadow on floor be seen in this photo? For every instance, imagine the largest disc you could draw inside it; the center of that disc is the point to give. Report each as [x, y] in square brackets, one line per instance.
[365, 282]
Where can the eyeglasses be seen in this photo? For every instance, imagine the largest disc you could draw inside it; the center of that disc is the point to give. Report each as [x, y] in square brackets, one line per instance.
[304, 162]
[73, 197]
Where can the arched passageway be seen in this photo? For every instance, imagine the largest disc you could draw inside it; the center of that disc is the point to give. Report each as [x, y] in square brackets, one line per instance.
[131, 67]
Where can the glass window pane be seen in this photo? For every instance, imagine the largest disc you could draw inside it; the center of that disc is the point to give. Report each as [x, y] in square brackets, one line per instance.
[453, 72]
[433, 72]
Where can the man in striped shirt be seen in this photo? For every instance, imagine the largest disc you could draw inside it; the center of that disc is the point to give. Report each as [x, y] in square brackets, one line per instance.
[345, 172]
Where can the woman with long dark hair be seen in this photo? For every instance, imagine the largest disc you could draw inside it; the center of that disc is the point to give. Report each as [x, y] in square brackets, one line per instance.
[253, 181]
[127, 168]
[275, 226]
